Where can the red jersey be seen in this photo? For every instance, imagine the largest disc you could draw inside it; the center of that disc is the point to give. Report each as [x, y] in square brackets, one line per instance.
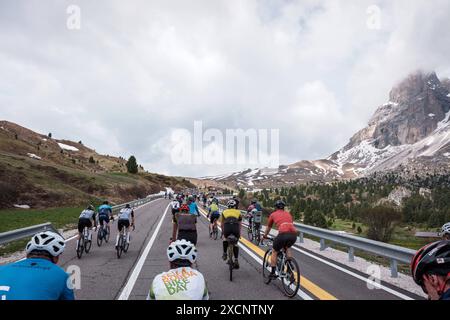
[283, 220]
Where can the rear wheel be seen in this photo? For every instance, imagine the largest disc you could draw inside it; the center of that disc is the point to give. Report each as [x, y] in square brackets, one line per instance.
[126, 245]
[215, 232]
[87, 245]
[100, 237]
[250, 232]
[230, 260]
[291, 279]
[106, 236]
[119, 247]
[80, 248]
[266, 266]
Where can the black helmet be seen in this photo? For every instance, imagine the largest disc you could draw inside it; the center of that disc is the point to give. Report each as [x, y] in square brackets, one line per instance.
[105, 202]
[280, 204]
[128, 206]
[90, 207]
[433, 258]
[231, 204]
[254, 201]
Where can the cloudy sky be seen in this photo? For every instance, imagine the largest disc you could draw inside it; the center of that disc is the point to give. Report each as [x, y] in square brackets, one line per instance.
[135, 71]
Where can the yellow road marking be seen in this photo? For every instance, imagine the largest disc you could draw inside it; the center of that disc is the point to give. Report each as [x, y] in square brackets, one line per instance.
[307, 284]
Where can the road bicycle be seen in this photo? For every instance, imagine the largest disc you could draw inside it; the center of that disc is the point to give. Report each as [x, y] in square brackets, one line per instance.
[214, 234]
[232, 242]
[84, 244]
[103, 233]
[254, 228]
[123, 244]
[287, 270]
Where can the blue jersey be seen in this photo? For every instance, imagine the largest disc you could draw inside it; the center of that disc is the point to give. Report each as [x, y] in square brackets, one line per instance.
[193, 209]
[104, 209]
[34, 279]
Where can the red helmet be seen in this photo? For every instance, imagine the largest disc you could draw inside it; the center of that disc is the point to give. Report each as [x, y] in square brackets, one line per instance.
[184, 208]
[434, 257]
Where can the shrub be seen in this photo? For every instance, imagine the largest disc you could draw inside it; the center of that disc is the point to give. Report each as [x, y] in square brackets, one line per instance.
[381, 222]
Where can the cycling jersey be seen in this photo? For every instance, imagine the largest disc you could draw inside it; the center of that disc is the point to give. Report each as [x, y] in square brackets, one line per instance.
[283, 220]
[175, 204]
[179, 284]
[126, 213]
[104, 210]
[34, 279]
[185, 221]
[87, 214]
[193, 209]
[446, 295]
[230, 215]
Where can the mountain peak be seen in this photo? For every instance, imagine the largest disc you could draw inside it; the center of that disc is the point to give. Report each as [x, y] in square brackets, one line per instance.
[415, 84]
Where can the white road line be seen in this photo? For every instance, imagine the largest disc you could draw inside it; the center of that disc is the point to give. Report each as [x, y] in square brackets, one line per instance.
[300, 293]
[138, 267]
[373, 283]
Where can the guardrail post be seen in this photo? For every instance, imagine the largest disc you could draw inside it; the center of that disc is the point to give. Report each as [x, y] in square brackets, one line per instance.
[394, 272]
[351, 254]
[300, 237]
[322, 245]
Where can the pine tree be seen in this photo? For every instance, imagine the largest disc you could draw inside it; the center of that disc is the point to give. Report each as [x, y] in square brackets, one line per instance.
[132, 166]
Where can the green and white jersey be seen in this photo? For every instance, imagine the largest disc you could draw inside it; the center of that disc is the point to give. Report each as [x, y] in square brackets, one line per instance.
[182, 283]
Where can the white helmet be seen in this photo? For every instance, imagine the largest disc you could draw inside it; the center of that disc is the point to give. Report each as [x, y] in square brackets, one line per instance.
[182, 250]
[48, 241]
[445, 229]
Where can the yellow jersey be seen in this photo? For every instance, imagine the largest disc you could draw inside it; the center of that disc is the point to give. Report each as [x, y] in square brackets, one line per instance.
[230, 214]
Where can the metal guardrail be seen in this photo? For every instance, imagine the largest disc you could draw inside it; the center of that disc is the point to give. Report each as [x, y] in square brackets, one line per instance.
[394, 253]
[27, 232]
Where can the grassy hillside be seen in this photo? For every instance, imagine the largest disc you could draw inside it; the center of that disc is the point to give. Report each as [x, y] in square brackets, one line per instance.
[36, 171]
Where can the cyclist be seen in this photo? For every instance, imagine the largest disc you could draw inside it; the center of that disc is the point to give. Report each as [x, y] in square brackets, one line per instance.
[231, 223]
[124, 221]
[213, 214]
[193, 208]
[175, 204]
[430, 269]
[184, 225]
[287, 233]
[85, 221]
[236, 199]
[181, 282]
[104, 214]
[445, 231]
[38, 277]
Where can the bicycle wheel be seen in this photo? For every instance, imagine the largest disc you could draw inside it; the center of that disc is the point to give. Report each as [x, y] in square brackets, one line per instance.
[291, 278]
[87, 245]
[230, 260]
[106, 236]
[119, 247]
[258, 236]
[216, 232]
[126, 245]
[266, 266]
[80, 248]
[100, 237]
[250, 233]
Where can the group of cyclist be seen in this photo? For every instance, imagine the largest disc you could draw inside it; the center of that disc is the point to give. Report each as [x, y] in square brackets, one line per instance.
[105, 215]
[39, 278]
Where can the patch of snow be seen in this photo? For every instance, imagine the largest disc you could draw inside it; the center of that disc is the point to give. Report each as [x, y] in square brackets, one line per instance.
[33, 156]
[43, 139]
[67, 147]
[22, 206]
[447, 154]
[431, 115]
[448, 95]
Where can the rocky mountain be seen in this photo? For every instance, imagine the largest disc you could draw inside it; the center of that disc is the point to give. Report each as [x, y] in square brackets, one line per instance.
[41, 171]
[409, 133]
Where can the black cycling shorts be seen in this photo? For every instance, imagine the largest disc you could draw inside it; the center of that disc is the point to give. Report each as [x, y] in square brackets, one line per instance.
[175, 211]
[102, 218]
[284, 240]
[214, 217]
[188, 235]
[123, 223]
[84, 222]
[231, 228]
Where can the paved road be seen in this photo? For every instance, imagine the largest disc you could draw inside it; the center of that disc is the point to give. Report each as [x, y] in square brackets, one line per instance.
[104, 276]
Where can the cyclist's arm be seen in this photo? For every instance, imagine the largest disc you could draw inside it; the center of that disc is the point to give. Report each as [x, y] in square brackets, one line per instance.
[269, 226]
[174, 229]
[132, 217]
[94, 216]
[67, 293]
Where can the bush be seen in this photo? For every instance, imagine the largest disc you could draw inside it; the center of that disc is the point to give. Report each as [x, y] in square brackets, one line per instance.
[359, 230]
[91, 159]
[381, 222]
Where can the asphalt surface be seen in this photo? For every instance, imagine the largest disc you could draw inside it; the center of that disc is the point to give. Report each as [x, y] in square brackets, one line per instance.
[104, 276]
